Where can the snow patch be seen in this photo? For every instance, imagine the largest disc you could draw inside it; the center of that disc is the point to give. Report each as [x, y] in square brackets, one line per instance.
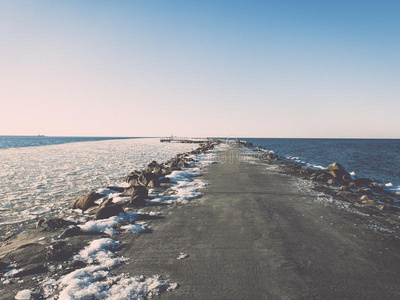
[95, 281]
[108, 225]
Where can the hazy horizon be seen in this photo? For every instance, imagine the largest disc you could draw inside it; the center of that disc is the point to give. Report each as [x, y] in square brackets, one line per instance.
[262, 69]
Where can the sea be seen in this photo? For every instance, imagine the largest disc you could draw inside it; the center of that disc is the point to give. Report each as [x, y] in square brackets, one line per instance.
[40, 176]
[378, 159]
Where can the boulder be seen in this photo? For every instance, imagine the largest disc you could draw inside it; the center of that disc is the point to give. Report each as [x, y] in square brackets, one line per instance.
[320, 176]
[347, 196]
[376, 187]
[76, 264]
[365, 191]
[73, 231]
[154, 167]
[367, 201]
[153, 183]
[59, 251]
[362, 181]
[353, 185]
[85, 202]
[338, 172]
[32, 270]
[137, 201]
[331, 181]
[30, 257]
[3, 265]
[132, 178]
[335, 166]
[166, 171]
[117, 189]
[305, 171]
[365, 198]
[134, 191]
[146, 177]
[183, 164]
[108, 211]
[53, 224]
[164, 180]
[344, 188]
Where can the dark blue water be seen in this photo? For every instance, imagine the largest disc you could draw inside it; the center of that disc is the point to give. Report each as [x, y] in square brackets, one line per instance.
[378, 159]
[33, 141]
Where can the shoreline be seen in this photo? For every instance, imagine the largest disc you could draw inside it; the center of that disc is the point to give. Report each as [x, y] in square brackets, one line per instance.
[124, 246]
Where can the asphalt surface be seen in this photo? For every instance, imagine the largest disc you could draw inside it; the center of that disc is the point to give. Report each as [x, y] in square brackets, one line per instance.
[256, 234]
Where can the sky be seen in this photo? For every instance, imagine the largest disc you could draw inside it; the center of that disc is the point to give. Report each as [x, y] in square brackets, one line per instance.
[288, 68]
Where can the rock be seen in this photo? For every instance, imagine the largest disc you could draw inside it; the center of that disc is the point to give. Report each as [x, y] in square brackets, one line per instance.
[335, 166]
[362, 181]
[28, 257]
[76, 264]
[325, 190]
[320, 176]
[164, 180]
[153, 183]
[353, 185]
[365, 198]
[367, 201]
[137, 201]
[3, 266]
[173, 165]
[331, 181]
[338, 172]
[145, 178]
[183, 164]
[59, 251]
[305, 171]
[365, 191]
[166, 171]
[108, 211]
[154, 167]
[134, 191]
[376, 187]
[85, 202]
[52, 224]
[347, 195]
[116, 189]
[344, 188]
[381, 207]
[73, 231]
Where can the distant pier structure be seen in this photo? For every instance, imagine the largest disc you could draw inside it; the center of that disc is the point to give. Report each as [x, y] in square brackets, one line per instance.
[177, 139]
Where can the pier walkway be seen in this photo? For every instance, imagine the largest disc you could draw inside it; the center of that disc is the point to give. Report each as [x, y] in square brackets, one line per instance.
[257, 235]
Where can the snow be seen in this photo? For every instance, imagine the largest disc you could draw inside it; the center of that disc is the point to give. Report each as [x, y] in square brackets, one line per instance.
[95, 281]
[107, 225]
[12, 272]
[100, 252]
[182, 255]
[24, 294]
[133, 228]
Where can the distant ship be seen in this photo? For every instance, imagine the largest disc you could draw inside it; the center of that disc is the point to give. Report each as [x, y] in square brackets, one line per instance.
[40, 135]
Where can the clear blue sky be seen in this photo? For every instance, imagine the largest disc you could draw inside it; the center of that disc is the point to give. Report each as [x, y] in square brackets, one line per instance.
[200, 68]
